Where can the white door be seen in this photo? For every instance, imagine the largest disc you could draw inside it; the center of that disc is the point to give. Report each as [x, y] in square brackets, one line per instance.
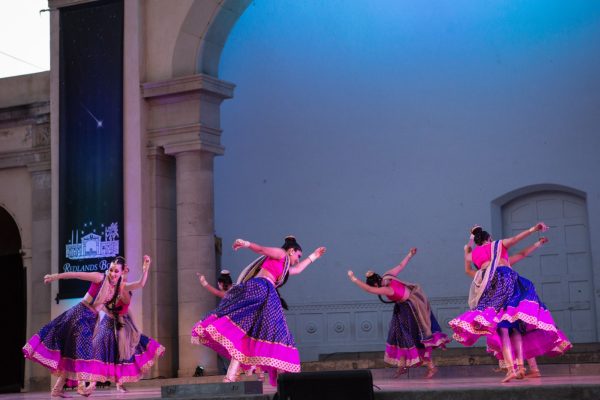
[562, 269]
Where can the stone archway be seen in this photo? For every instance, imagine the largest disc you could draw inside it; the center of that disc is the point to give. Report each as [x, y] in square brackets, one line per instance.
[203, 35]
[14, 295]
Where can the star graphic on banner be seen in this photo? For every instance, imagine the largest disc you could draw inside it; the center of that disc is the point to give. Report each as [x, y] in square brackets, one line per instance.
[99, 122]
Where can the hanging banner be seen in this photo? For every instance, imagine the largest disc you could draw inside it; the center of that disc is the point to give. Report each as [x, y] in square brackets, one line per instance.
[91, 140]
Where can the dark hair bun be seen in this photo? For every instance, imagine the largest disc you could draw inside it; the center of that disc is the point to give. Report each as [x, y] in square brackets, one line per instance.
[479, 235]
[291, 243]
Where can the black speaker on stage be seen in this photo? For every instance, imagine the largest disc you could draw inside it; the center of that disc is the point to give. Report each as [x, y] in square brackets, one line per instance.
[326, 385]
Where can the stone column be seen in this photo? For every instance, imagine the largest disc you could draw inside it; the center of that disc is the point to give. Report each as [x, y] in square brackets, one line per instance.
[184, 120]
[38, 262]
[195, 253]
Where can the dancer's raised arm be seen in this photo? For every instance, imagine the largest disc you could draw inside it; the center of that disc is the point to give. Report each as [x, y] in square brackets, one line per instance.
[384, 291]
[527, 250]
[509, 242]
[142, 281]
[314, 256]
[209, 287]
[272, 252]
[396, 270]
[95, 277]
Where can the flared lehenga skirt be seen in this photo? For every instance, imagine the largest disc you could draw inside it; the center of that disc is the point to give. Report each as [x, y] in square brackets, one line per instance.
[249, 326]
[106, 349]
[405, 344]
[65, 347]
[510, 301]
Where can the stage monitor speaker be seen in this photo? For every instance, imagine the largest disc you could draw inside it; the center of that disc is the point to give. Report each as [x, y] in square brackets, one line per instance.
[326, 385]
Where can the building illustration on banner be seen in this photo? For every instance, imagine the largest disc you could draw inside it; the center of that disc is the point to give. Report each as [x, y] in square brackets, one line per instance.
[92, 245]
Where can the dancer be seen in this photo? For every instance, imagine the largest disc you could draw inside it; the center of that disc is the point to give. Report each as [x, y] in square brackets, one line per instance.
[563, 344]
[126, 353]
[64, 346]
[505, 307]
[414, 332]
[534, 371]
[249, 326]
[224, 283]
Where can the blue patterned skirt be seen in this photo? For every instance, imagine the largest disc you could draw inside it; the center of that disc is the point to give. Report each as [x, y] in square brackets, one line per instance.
[405, 346]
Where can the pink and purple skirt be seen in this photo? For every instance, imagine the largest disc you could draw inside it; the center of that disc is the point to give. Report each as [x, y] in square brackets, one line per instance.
[405, 345]
[106, 348]
[249, 325]
[64, 346]
[510, 301]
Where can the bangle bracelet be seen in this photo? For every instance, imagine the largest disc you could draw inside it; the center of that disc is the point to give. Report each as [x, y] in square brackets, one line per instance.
[354, 279]
[312, 258]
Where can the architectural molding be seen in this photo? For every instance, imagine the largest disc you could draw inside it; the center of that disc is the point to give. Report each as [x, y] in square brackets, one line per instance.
[190, 137]
[25, 158]
[188, 84]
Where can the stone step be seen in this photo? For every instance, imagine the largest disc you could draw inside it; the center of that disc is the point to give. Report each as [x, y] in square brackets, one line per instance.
[211, 390]
[389, 373]
[581, 353]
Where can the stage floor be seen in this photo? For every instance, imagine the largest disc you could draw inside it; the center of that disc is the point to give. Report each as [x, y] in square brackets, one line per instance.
[383, 385]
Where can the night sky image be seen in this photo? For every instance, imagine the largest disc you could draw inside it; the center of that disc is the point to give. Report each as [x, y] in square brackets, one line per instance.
[91, 140]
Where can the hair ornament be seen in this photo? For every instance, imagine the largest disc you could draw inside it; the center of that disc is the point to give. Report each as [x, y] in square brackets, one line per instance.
[369, 274]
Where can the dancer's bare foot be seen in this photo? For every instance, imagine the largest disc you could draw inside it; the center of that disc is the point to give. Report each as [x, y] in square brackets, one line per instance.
[121, 388]
[59, 393]
[228, 380]
[520, 371]
[431, 372]
[533, 373]
[400, 371]
[510, 375]
[58, 389]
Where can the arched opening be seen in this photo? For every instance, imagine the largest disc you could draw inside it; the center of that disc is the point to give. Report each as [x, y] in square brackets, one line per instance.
[562, 269]
[13, 296]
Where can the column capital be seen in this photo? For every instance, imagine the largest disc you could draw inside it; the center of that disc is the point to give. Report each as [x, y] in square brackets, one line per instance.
[198, 83]
[39, 167]
[191, 137]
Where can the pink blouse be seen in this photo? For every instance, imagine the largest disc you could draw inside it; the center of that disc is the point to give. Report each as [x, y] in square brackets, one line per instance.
[275, 267]
[400, 291]
[482, 254]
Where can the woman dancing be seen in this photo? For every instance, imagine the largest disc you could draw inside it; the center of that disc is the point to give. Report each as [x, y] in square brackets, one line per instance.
[248, 326]
[414, 332]
[505, 307]
[126, 352]
[64, 346]
[224, 283]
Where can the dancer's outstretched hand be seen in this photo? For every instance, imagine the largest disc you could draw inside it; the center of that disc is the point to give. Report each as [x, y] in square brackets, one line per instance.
[351, 275]
[317, 254]
[50, 278]
[540, 226]
[239, 243]
[543, 240]
[203, 281]
[147, 262]
[412, 251]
